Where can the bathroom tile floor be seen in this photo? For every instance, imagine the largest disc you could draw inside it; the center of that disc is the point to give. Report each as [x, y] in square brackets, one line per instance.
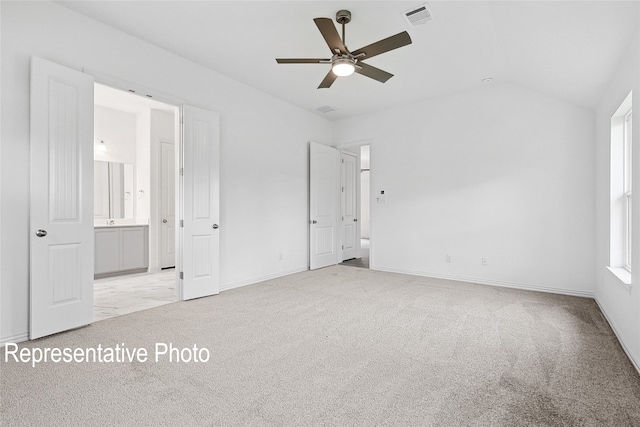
[115, 296]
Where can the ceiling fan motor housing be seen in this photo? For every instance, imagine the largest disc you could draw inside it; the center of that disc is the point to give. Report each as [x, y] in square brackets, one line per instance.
[343, 16]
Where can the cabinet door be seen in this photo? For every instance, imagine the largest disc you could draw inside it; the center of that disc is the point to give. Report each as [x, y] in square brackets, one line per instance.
[107, 250]
[134, 248]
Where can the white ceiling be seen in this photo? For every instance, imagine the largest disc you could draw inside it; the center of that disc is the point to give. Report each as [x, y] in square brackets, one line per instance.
[567, 49]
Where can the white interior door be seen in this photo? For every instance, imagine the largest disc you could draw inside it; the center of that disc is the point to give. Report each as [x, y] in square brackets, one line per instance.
[323, 181]
[61, 196]
[348, 205]
[167, 205]
[199, 263]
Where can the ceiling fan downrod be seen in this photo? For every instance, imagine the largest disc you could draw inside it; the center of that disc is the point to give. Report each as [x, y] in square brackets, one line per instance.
[343, 17]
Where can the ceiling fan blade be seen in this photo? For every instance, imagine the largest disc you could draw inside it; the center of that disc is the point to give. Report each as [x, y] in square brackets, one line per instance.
[385, 45]
[328, 80]
[303, 61]
[373, 72]
[330, 34]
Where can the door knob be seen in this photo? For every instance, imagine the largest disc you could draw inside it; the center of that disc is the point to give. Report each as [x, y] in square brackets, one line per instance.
[214, 226]
[41, 233]
[314, 222]
[164, 221]
[355, 219]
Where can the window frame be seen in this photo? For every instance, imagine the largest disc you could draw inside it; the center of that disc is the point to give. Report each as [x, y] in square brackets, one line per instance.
[627, 191]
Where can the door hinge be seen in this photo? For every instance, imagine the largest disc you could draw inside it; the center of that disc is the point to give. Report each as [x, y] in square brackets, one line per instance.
[181, 171]
[343, 218]
[181, 120]
[181, 275]
[182, 223]
[343, 189]
[342, 160]
[342, 246]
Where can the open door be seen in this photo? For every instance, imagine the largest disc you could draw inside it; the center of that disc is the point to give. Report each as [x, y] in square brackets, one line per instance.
[349, 206]
[200, 239]
[61, 210]
[323, 169]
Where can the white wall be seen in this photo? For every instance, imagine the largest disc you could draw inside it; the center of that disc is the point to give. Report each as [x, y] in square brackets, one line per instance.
[263, 147]
[1, 297]
[501, 173]
[620, 305]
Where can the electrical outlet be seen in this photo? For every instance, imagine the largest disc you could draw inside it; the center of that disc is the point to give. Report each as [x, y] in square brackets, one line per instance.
[449, 258]
[484, 261]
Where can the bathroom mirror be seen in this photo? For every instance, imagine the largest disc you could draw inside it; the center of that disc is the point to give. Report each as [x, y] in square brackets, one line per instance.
[113, 190]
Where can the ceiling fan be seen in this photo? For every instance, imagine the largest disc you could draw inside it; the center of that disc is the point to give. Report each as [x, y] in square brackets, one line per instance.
[344, 62]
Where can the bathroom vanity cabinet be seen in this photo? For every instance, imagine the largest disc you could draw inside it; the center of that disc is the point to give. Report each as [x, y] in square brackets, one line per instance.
[121, 249]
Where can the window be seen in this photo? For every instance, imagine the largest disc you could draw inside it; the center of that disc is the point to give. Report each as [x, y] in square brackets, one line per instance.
[627, 190]
[620, 262]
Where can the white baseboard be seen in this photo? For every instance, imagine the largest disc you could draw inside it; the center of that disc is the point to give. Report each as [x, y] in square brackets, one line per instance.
[14, 339]
[488, 282]
[253, 281]
[634, 362]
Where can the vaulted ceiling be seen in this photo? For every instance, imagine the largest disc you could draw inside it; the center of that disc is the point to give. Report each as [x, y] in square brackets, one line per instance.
[566, 49]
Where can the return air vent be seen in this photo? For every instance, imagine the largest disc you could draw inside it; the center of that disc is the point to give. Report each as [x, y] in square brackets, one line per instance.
[325, 109]
[418, 15]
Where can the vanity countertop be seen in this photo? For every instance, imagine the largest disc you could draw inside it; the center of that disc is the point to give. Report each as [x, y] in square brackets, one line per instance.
[119, 225]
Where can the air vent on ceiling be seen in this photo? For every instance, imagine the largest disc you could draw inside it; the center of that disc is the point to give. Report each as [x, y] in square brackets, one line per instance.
[325, 109]
[418, 15]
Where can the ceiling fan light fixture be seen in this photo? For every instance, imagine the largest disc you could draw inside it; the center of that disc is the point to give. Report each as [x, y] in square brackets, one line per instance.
[343, 67]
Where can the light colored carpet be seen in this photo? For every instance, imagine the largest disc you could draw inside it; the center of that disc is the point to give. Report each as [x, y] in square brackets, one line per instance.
[342, 346]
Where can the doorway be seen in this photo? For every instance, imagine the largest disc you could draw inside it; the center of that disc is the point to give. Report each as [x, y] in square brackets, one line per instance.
[362, 198]
[134, 202]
